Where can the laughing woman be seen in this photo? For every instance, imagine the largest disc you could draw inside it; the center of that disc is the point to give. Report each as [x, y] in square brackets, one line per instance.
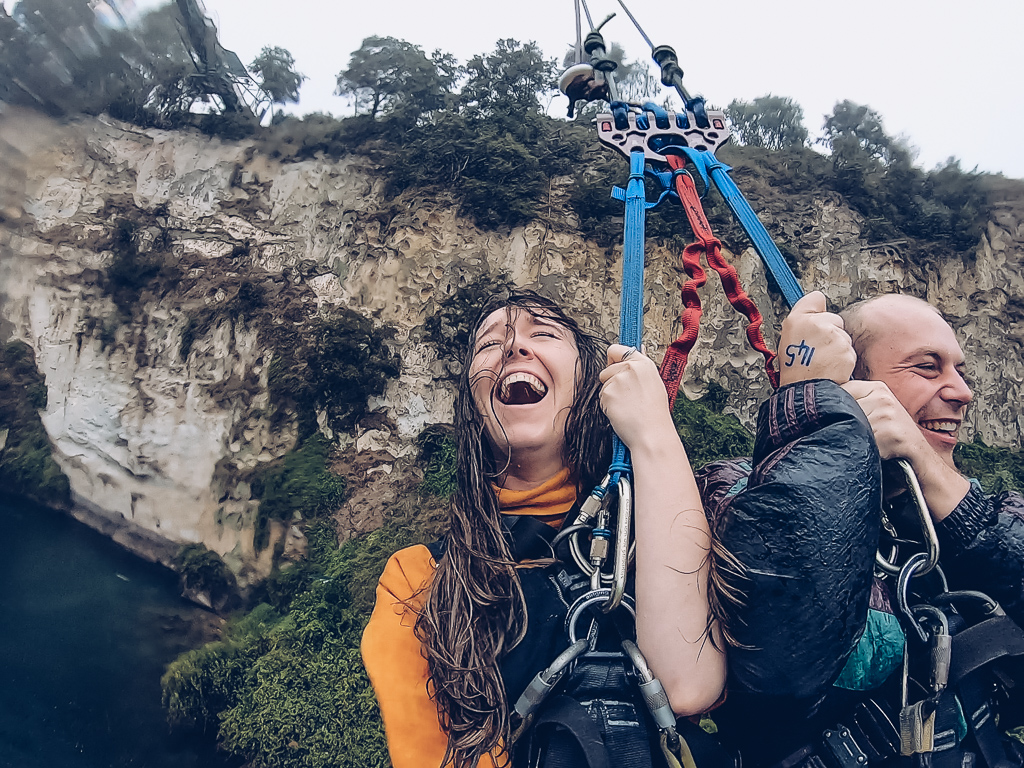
[460, 628]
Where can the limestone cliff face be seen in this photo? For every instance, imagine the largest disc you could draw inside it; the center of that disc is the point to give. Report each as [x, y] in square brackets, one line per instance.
[155, 443]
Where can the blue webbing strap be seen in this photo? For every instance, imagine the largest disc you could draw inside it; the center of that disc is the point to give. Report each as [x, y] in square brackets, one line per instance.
[709, 165]
[631, 308]
[763, 243]
[632, 305]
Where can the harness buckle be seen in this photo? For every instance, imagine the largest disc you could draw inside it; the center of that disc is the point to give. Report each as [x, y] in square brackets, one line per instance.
[847, 753]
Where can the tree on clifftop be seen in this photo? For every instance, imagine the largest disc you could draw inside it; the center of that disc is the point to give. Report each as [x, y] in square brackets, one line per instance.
[506, 83]
[276, 68]
[391, 78]
[771, 122]
[855, 135]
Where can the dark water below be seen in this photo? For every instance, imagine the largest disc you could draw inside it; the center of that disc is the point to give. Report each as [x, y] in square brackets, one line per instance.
[86, 631]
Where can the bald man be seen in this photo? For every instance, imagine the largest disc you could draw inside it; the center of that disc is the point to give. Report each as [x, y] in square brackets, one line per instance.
[909, 380]
[796, 671]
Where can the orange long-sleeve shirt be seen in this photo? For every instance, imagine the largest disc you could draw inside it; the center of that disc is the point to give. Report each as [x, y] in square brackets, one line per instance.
[394, 657]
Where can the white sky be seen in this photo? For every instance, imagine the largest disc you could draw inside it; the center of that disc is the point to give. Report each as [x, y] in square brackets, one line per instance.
[947, 75]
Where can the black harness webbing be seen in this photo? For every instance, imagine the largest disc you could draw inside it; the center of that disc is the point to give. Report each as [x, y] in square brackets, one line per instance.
[596, 718]
[571, 737]
[873, 727]
[529, 538]
[986, 641]
[982, 723]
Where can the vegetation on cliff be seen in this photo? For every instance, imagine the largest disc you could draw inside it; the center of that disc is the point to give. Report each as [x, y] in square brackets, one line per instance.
[205, 576]
[333, 367]
[478, 130]
[486, 139]
[998, 469]
[137, 264]
[448, 328]
[286, 687]
[708, 433]
[27, 467]
[297, 487]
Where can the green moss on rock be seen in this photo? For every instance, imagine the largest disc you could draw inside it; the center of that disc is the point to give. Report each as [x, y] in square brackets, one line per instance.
[708, 433]
[299, 485]
[27, 466]
[998, 469]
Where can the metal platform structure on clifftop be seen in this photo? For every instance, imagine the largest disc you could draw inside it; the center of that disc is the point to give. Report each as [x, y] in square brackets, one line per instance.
[220, 74]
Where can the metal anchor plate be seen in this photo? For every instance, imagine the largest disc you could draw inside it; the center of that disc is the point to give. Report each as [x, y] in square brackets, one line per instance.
[680, 130]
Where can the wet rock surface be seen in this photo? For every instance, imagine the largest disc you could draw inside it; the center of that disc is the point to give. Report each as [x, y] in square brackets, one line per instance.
[159, 437]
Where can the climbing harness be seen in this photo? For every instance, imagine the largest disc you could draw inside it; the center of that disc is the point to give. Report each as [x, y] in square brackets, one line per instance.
[597, 704]
[961, 657]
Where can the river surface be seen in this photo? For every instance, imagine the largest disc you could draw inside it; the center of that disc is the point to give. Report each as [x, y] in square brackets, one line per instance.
[86, 630]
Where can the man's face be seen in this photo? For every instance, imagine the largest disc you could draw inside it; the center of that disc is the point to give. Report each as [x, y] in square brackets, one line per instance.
[914, 352]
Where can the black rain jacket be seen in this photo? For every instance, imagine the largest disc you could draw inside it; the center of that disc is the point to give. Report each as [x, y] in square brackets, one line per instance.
[801, 522]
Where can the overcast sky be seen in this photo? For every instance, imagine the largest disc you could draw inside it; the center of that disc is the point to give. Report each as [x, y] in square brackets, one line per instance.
[947, 75]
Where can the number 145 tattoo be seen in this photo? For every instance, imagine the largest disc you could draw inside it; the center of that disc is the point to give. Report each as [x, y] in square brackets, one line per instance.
[799, 354]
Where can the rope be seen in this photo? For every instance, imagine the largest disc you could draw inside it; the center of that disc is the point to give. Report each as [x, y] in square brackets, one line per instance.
[637, 25]
[674, 363]
[758, 235]
[579, 36]
[586, 10]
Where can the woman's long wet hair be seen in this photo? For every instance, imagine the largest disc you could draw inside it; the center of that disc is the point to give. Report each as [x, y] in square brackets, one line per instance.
[475, 611]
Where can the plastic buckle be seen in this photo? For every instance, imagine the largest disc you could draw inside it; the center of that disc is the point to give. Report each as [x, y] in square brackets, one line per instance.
[843, 749]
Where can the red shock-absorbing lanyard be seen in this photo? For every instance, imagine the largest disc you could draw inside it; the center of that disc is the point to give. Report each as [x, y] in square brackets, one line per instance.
[674, 363]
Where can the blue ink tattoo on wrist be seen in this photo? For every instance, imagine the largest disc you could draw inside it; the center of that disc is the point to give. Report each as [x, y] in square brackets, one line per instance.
[801, 350]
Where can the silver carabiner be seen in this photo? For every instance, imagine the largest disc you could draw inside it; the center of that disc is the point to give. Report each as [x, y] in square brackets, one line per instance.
[914, 567]
[600, 511]
[594, 508]
[546, 679]
[584, 601]
[674, 748]
[592, 504]
[925, 515]
[620, 555]
[927, 527]
[652, 690]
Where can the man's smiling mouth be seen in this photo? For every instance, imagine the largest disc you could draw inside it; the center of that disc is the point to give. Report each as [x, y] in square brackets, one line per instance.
[521, 389]
[942, 427]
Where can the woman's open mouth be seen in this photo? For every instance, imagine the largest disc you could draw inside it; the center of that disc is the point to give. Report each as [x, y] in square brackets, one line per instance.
[521, 389]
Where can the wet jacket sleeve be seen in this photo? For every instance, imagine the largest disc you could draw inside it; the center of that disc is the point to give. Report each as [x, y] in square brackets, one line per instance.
[801, 530]
[982, 546]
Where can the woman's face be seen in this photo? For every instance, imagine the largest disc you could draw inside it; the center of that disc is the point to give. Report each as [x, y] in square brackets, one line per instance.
[523, 378]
